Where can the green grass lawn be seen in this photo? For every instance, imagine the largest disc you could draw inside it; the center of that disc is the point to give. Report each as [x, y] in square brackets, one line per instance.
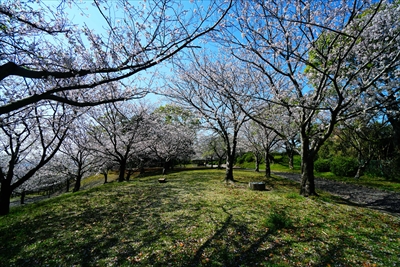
[197, 220]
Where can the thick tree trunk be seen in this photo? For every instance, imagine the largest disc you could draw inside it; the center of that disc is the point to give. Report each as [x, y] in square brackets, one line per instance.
[229, 168]
[141, 167]
[307, 170]
[122, 169]
[68, 182]
[23, 194]
[77, 183]
[5, 196]
[267, 164]
[165, 167]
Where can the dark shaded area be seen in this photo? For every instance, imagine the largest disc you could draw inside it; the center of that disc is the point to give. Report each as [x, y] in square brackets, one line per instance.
[355, 194]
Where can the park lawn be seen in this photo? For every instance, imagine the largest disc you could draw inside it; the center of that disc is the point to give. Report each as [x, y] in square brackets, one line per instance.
[195, 219]
[281, 165]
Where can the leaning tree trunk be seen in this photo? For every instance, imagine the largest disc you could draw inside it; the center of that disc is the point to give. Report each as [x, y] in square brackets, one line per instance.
[307, 187]
[5, 196]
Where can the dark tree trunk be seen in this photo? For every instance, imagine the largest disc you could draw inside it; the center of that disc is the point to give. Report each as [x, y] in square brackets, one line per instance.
[267, 164]
[165, 167]
[141, 167]
[307, 170]
[105, 174]
[77, 183]
[23, 194]
[129, 174]
[5, 196]
[68, 182]
[122, 169]
[395, 122]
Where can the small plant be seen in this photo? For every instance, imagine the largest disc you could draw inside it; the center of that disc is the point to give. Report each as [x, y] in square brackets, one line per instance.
[278, 220]
[322, 165]
[344, 166]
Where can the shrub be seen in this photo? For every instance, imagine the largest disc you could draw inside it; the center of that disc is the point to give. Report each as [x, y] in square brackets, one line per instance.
[249, 157]
[278, 220]
[246, 157]
[322, 165]
[344, 166]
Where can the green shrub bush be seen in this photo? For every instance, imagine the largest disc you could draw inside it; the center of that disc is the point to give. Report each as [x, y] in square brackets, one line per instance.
[322, 165]
[249, 157]
[344, 166]
[246, 157]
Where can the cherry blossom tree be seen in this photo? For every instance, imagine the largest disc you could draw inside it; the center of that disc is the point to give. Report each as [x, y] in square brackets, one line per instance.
[214, 148]
[317, 91]
[53, 58]
[262, 140]
[29, 140]
[205, 86]
[120, 132]
[175, 131]
[172, 143]
[79, 160]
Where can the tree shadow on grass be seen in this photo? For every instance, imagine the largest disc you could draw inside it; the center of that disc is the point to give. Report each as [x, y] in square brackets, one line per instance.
[150, 225]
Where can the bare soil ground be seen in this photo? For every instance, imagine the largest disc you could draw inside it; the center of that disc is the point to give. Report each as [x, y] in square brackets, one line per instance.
[355, 194]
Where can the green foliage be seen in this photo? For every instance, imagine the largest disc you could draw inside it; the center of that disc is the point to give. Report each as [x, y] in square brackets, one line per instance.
[322, 165]
[391, 169]
[246, 157]
[176, 114]
[344, 166]
[277, 220]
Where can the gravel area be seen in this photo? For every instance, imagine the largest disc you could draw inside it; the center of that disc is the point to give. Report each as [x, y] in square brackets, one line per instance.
[355, 194]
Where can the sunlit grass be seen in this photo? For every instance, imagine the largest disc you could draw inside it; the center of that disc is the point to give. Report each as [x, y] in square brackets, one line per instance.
[196, 219]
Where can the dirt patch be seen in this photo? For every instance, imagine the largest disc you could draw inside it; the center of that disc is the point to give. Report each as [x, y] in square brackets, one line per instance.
[356, 194]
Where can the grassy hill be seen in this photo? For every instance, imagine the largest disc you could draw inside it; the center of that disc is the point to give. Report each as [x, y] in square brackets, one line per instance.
[197, 220]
